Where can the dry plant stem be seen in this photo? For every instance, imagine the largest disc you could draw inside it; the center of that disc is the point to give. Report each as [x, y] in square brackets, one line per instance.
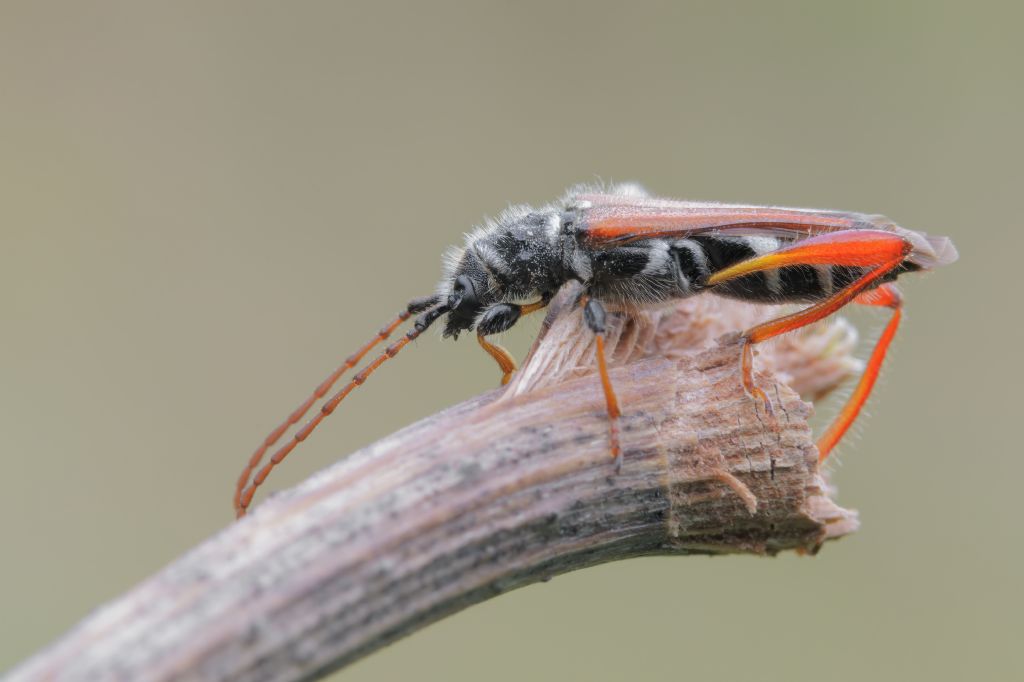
[507, 489]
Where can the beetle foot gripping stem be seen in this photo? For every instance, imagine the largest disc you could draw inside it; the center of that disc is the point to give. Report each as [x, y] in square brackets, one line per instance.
[747, 374]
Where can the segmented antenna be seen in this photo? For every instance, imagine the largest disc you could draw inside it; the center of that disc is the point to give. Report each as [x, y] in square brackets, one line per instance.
[321, 390]
[243, 495]
[414, 306]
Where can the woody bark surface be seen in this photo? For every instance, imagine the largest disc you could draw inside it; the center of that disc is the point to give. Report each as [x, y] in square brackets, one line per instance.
[504, 490]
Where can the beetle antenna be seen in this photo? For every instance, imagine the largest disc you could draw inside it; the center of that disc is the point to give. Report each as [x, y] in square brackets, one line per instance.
[244, 499]
[414, 307]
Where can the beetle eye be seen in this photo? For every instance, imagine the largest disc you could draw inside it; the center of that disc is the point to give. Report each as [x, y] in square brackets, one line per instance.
[463, 294]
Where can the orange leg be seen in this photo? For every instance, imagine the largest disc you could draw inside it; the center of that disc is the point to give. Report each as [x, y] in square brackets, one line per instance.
[594, 315]
[504, 359]
[886, 296]
[881, 251]
[611, 402]
[788, 323]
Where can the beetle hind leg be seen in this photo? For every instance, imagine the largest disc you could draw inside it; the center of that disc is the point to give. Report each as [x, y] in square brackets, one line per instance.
[803, 318]
[881, 253]
[887, 296]
[747, 374]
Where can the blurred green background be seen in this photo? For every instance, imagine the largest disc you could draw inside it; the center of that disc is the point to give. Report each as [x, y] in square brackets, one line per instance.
[205, 206]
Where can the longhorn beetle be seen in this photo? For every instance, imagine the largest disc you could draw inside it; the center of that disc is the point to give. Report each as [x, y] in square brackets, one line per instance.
[630, 250]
